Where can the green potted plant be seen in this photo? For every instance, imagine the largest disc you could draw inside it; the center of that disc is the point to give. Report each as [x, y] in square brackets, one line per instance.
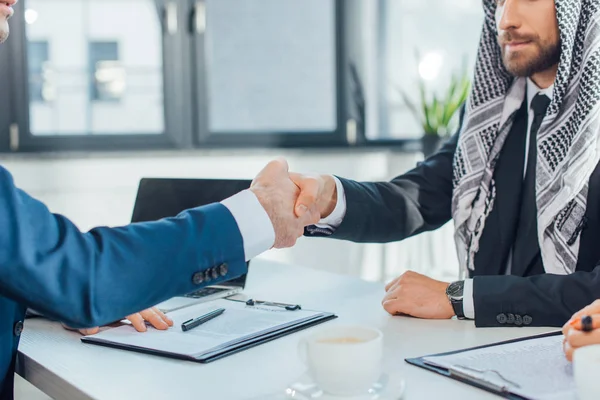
[435, 113]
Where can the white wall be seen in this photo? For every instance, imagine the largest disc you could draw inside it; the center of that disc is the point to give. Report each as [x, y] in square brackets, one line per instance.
[100, 189]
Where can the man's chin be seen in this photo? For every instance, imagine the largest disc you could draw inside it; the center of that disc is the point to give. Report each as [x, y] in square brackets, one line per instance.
[520, 66]
[526, 62]
[517, 70]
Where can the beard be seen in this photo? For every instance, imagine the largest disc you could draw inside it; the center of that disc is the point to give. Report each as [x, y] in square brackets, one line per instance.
[527, 63]
[4, 30]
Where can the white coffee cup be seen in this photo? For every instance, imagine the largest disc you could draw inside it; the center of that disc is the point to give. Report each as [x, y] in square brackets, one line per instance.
[586, 364]
[344, 360]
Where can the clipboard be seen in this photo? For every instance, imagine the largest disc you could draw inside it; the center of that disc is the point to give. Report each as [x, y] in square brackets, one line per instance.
[219, 351]
[464, 377]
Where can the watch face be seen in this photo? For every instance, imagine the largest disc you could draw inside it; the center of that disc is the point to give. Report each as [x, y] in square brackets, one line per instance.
[455, 290]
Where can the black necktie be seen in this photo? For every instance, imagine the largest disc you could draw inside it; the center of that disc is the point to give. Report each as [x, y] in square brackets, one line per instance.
[526, 244]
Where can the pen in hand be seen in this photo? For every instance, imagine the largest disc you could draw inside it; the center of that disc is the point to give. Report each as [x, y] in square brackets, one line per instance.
[584, 323]
[195, 322]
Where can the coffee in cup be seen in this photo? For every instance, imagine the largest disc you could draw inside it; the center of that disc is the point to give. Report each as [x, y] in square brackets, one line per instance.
[344, 360]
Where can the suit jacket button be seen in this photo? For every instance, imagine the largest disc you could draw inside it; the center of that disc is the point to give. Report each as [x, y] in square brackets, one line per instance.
[527, 320]
[518, 320]
[223, 269]
[18, 328]
[510, 318]
[198, 278]
[207, 276]
[215, 273]
[501, 318]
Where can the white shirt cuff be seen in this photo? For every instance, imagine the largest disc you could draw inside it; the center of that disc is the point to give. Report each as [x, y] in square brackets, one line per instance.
[253, 221]
[334, 220]
[468, 303]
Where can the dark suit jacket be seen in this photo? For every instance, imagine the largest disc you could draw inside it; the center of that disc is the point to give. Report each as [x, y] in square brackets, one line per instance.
[90, 279]
[420, 201]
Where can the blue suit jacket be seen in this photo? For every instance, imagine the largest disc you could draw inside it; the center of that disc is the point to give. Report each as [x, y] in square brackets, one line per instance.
[90, 279]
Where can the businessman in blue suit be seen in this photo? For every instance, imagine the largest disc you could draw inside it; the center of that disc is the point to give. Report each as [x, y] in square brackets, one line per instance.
[90, 279]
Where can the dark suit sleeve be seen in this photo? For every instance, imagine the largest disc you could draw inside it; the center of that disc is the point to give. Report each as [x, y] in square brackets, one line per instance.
[547, 299]
[415, 202]
[89, 279]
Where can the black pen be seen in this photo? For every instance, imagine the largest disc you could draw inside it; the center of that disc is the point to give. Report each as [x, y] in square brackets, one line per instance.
[192, 323]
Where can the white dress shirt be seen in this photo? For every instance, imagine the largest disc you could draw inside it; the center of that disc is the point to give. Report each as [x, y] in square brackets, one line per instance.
[253, 221]
[337, 216]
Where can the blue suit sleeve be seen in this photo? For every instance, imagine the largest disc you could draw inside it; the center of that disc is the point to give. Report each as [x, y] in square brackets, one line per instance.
[89, 279]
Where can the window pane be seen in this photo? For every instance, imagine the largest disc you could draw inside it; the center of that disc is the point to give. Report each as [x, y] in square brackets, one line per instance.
[431, 39]
[95, 67]
[271, 65]
[38, 59]
[107, 74]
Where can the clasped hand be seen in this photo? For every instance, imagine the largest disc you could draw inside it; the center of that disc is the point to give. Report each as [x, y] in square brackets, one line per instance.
[280, 197]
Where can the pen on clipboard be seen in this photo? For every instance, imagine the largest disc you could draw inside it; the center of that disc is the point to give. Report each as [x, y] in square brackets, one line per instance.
[469, 375]
[289, 307]
[195, 322]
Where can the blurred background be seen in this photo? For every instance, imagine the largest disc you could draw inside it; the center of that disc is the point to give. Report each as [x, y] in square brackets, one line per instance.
[97, 94]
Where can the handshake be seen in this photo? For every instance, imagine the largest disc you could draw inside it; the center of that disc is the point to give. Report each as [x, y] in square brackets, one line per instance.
[293, 201]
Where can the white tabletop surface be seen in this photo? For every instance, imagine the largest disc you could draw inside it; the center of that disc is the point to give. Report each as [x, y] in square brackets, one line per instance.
[56, 361]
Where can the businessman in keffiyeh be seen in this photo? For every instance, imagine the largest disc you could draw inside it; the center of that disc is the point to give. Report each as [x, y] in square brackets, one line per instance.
[520, 178]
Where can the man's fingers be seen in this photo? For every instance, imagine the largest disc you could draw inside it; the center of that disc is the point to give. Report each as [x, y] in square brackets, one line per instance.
[297, 179]
[309, 193]
[391, 295]
[393, 307]
[576, 323]
[577, 338]
[273, 170]
[277, 167]
[138, 322]
[310, 216]
[282, 163]
[89, 331]
[568, 350]
[163, 316]
[392, 283]
[394, 286]
[156, 320]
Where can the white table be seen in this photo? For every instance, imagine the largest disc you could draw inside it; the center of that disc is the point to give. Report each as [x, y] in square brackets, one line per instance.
[55, 360]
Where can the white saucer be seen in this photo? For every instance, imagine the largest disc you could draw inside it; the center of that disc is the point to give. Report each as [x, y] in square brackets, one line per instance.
[388, 387]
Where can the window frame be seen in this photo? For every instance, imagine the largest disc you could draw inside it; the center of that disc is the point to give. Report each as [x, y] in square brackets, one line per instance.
[46, 44]
[185, 95]
[6, 113]
[94, 95]
[17, 60]
[277, 139]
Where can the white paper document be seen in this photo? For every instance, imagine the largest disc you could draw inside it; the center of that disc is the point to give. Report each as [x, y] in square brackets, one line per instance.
[534, 369]
[239, 322]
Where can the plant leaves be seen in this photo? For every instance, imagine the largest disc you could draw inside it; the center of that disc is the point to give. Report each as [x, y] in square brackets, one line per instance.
[437, 114]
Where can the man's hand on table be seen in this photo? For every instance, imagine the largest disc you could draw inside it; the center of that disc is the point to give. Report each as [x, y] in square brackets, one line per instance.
[153, 315]
[418, 296]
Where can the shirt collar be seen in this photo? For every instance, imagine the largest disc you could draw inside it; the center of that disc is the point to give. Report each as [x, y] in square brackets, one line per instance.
[533, 90]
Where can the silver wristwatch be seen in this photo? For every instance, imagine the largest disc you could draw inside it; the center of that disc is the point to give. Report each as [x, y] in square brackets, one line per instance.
[455, 294]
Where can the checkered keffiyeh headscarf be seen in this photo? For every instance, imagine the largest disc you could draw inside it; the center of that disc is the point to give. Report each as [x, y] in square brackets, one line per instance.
[568, 145]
